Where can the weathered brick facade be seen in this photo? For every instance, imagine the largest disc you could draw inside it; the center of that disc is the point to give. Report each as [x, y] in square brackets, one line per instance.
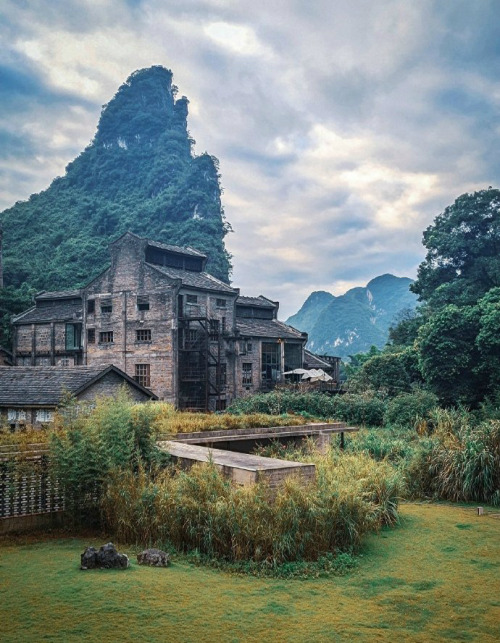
[155, 314]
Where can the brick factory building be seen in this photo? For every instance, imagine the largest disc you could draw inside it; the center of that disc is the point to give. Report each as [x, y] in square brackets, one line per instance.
[159, 317]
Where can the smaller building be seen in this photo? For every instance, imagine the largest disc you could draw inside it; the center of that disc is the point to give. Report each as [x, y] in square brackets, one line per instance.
[29, 395]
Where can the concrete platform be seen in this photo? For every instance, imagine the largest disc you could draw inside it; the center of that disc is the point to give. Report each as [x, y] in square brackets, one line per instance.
[246, 439]
[241, 468]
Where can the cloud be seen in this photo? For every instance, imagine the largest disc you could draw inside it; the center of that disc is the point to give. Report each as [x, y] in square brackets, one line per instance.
[342, 128]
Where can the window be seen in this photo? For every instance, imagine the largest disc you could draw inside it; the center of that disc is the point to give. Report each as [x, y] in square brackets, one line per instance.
[223, 324]
[91, 306]
[247, 373]
[44, 415]
[220, 303]
[220, 405]
[106, 337]
[73, 337]
[222, 375]
[192, 299]
[249, 347]
[106, 306]
[271, 360]
[142, 375]
[16, 415]
[214, 329]
[91, 336]
[64, 361]
[143, 335]
[143, 302]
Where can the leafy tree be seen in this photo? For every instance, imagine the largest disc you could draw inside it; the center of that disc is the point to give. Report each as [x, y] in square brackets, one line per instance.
[393, 372]
[463, 251]
[448, 355]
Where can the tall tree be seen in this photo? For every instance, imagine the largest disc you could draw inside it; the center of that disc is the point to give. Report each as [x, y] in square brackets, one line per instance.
[463, 252]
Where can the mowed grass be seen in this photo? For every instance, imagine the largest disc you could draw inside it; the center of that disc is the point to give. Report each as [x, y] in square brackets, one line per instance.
[434, 578]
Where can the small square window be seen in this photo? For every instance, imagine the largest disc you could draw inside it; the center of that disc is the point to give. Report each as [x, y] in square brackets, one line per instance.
[106, 337]
[220, 303]
[220, 405]
[143, 335]
[106, 307]
[143, 303]
[192, 299]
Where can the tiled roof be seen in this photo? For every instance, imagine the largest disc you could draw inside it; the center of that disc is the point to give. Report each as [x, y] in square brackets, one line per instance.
[260, 301]
[315, 361]
[267, 328]
[60, 310]
[187, 250]
[44, 385]
[192, 279]
[60, 294]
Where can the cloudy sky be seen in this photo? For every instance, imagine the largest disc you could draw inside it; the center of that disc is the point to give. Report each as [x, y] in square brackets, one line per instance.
[342, 127]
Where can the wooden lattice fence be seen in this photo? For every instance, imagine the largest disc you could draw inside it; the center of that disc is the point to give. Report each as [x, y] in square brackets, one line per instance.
[28, 487]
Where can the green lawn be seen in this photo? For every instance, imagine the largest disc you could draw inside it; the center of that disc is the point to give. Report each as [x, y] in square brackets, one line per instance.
[434, 578]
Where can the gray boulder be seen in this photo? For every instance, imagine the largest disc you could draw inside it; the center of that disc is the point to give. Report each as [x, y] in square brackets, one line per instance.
[106, 558]
[153, 558]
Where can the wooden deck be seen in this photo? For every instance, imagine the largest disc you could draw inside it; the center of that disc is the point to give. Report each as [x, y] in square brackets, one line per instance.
[241, 468]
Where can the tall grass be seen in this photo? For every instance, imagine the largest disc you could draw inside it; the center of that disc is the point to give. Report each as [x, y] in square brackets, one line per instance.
[200, 510]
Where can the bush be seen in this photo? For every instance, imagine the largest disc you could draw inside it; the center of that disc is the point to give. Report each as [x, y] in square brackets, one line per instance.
[410, 409]
[364, 408]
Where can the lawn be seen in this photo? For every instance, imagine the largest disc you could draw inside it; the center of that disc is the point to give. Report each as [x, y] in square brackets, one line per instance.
[436, 577]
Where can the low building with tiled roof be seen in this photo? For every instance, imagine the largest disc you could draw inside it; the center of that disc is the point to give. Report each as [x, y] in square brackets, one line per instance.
[157, 315]
[30, 394]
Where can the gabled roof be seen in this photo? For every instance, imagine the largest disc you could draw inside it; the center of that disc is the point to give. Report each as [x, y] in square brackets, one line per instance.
[267, 328]
[44, 385]
[199, 280]
[60, 310]
[315, 361]
[260, 301]
[181, 250]
[59, 294]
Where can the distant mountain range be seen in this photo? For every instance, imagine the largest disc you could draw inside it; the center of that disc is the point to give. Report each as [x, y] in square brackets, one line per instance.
[355, 321]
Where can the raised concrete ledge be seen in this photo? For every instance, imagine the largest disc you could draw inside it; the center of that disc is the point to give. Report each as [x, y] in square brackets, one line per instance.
[241, 468]
[268, 433]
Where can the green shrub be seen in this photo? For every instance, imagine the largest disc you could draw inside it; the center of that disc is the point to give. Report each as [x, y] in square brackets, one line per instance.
[410, 409]
[363, 408]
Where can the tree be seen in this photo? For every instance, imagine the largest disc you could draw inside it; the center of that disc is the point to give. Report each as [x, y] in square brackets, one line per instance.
[448, 355]
[463, 252]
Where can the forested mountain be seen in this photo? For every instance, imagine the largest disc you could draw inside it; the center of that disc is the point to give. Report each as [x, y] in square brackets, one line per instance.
[139, 174]
[355, 321]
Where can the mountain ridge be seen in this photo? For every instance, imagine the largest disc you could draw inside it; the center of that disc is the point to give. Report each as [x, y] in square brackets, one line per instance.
[139, 173]
[351, 323]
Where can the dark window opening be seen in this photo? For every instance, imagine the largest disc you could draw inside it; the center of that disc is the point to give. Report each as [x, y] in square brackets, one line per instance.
[91, 306]
[192, 299]
[106, 307]
[246, 373]
[220, 303]
[143, 335]
[222, 375]
[271, 360]
[91, 336]
[106, 337]
[73, 337]
[220, 405]
[143, 303]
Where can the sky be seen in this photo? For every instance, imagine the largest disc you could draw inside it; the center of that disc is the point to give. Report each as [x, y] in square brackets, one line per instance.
[342, 127]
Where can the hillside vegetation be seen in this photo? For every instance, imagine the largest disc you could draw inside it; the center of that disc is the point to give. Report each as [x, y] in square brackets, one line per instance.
[139, 173]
